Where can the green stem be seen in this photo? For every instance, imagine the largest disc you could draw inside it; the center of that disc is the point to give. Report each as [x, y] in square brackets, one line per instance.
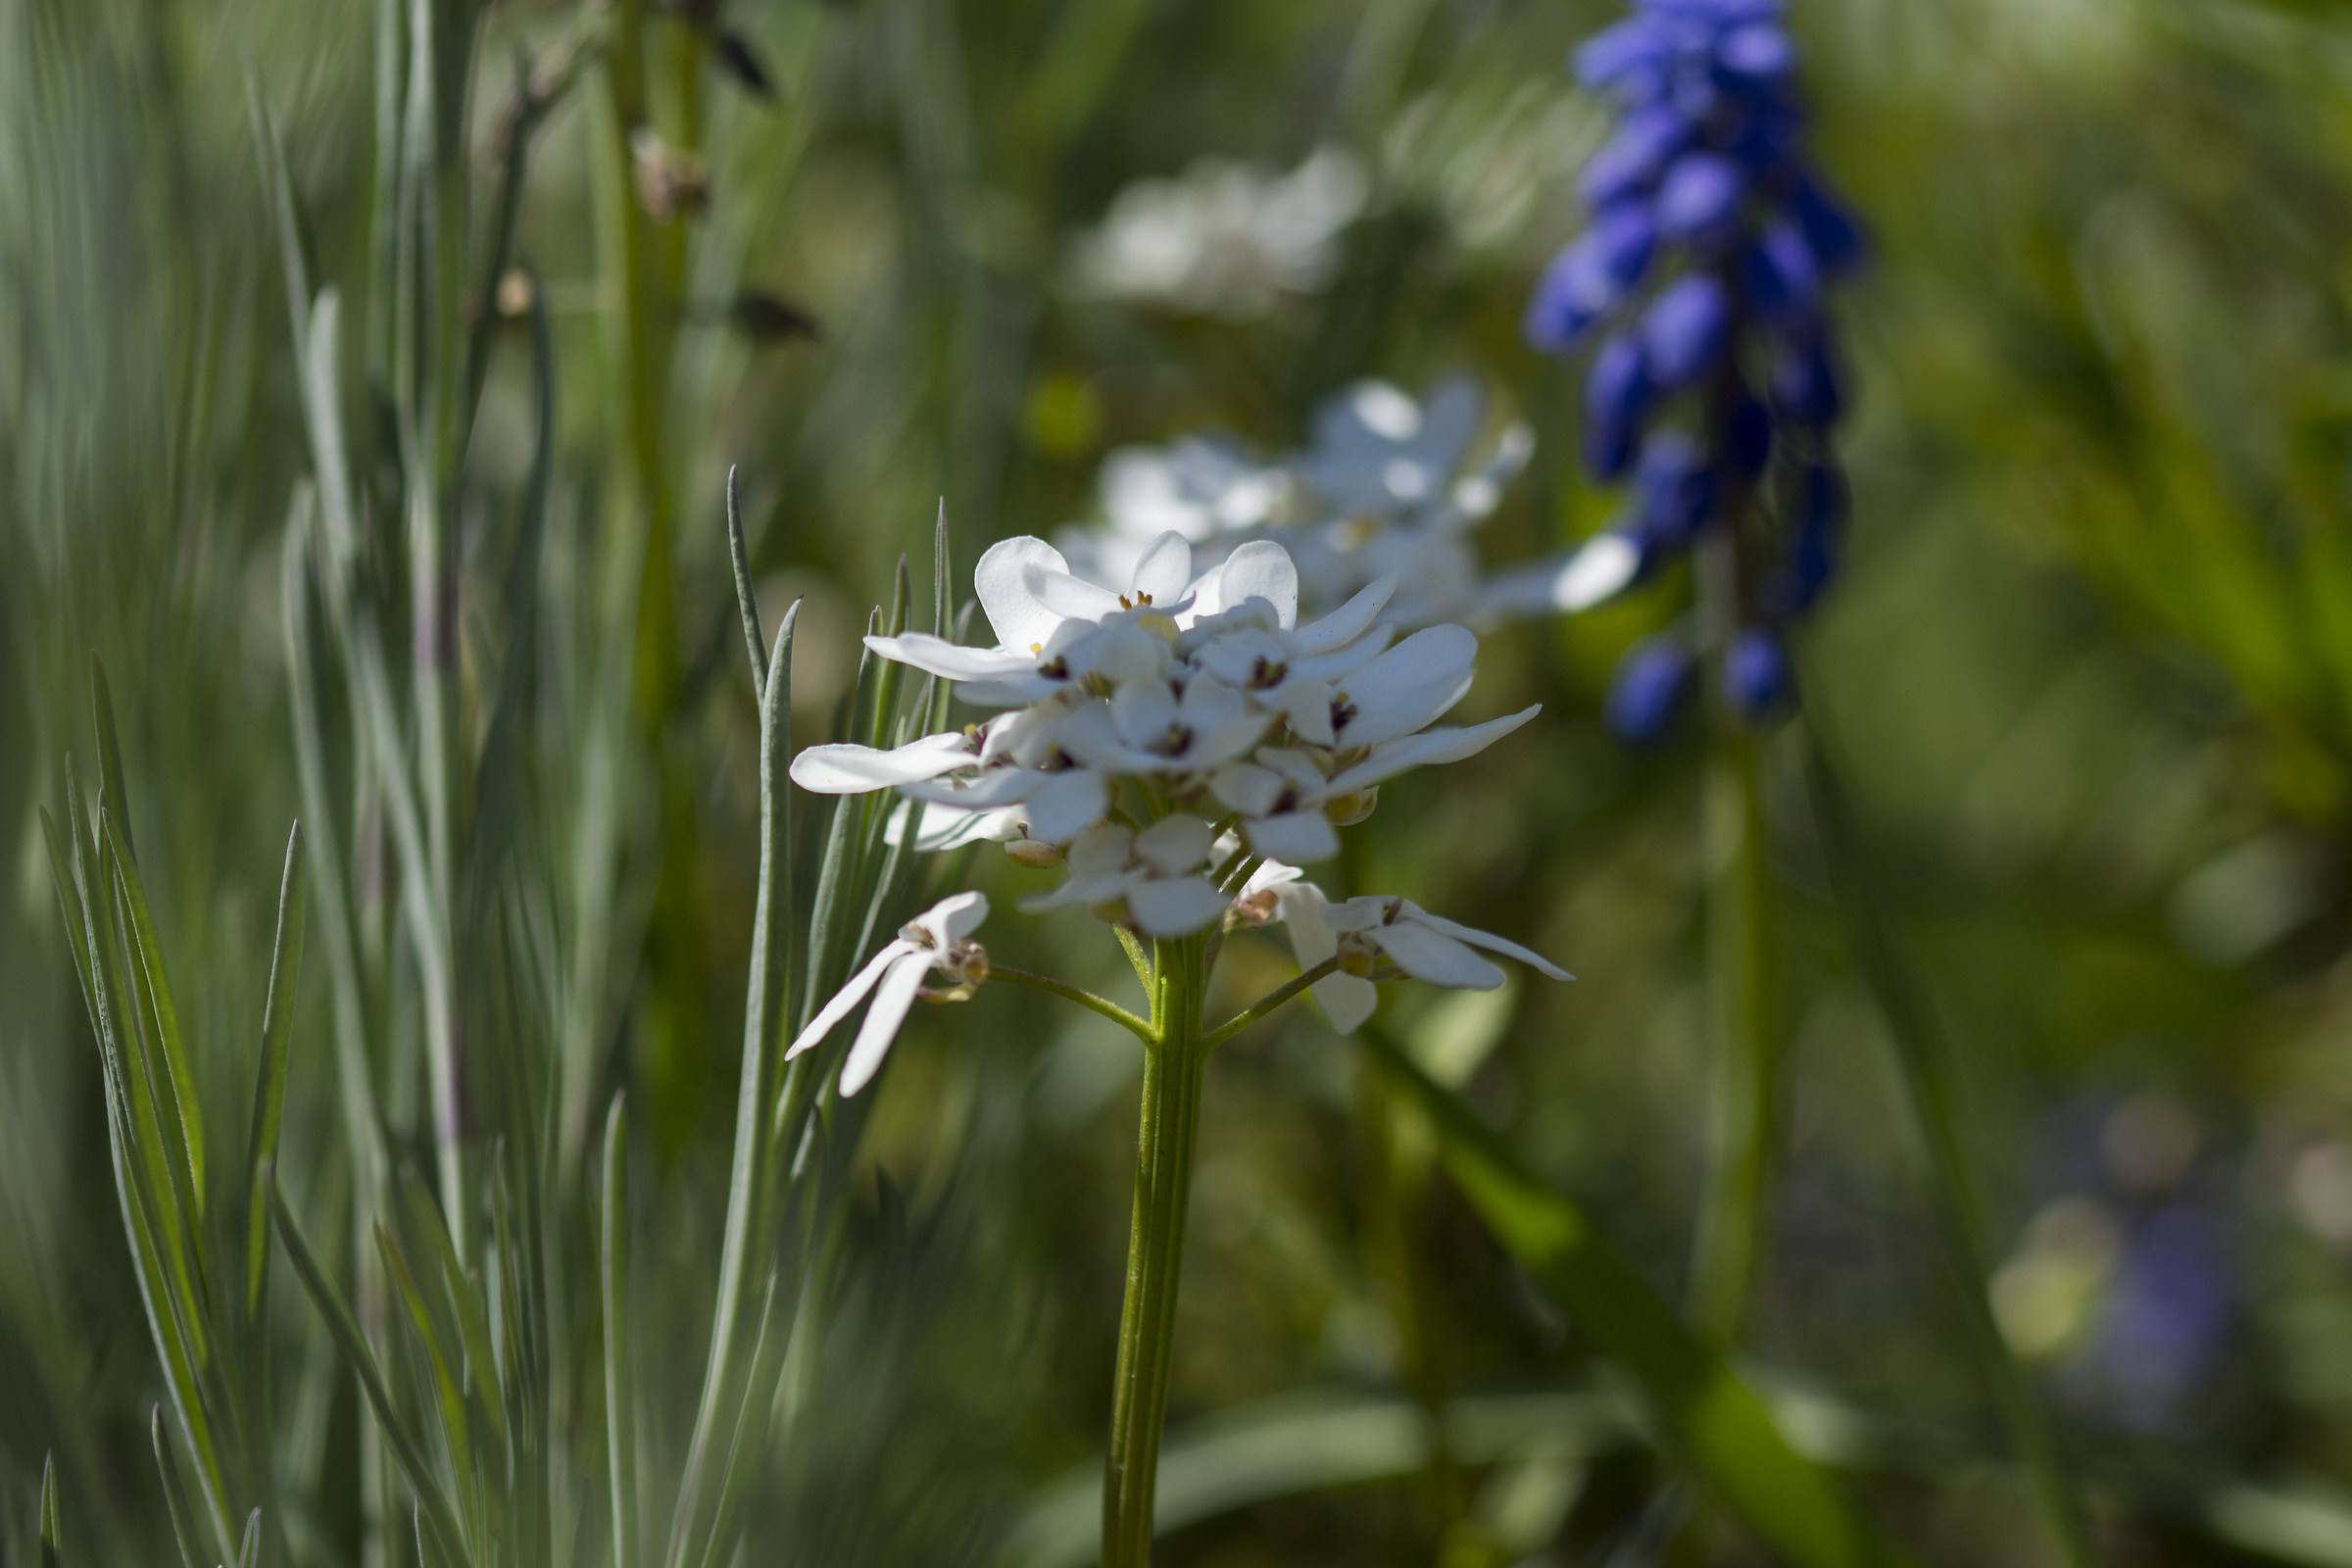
[1933, 1092]
[1163, 1186]
[1266, 1003]
[1739, 919]
[1085, 999]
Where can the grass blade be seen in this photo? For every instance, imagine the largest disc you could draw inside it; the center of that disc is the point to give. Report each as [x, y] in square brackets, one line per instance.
[52, 1552]
[764, 1006]
[1706, 1414]
[1932, 1089]
[112, 796]
[621, 1392]
[437, 1521]
[160, 1012]
[176, 1495]
[270, 1092]
[747, 603]
[456, 1428]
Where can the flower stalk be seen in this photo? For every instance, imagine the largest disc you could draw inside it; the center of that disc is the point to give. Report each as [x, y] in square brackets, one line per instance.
[1166, 1147]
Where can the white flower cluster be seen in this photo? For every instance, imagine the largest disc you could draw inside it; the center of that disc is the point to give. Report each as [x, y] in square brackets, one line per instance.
[1224, 238]
[1388, 488]
[1136, 726]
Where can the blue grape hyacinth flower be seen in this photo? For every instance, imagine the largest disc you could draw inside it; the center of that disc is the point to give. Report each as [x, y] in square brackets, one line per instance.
[1715, 379]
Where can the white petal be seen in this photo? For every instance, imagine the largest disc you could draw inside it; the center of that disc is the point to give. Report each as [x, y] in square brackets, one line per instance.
[1345, 1000]
[1085, 893]
[1360, 913]
[1012, 691]
[1243, 658]
[1341, 662]
[1600, 568]
[1448, 419]
[1070, 597]
[998, 787]
[848, 997]
[1176, 908]
[952, 919]
[1269, 875]
[1258, 569]
[1103, 850]
[1174, 845]
[1298, 837]
[1306, 706]
[1476, 938]
[1020, 622]
[1475, 495]
[944, 827]
[1427, 749]
[1408, 686]
[1164, 571]
[1348, 622]
[858, 769]
[1067, 803]
[1434, 956]
[1248, 788]
[883, 1020]
[936, 655]
[1143, 711]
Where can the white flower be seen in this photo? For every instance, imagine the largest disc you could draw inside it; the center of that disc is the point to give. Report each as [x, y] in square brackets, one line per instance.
[1592, 573]
[1200, 697]
[1154, 878]
[1223, 238]
[1363, 930]
[939, 938]
[1203, 487]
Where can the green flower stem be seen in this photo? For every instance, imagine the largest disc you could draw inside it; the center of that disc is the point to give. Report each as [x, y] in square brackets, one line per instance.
[1740, 939]
[1266, 1003]
[1085, 999]
[1164, 1187]
[1933, 1090]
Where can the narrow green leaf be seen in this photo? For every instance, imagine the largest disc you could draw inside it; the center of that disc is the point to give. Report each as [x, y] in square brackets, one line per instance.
[52, 1547]
[455, 1429]
[1704, 1412]
[620, 1390]
[176, 1495]
[437, 1522]
[68, 902]
[186, 1122]
[1931, 1085]
[270, 1090]
[112, 796]
[249, 1550]
[464, 1297]
[162, 1151]
[767, 990]
[747, 603]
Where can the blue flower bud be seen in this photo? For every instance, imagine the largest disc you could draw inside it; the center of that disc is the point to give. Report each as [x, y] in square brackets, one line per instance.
[1590, 275]
[1776, 273]
[1677, 490]
[1758, 683]
[1609, 57]
[1646, 694]
[1747, 436]
[1686, 331]
[1758, 50]
[1698, 201]
[1805, 389]
[1829, 228]
[1812, 565]
[1630, 162]
[1617, 394]
[1816, 497]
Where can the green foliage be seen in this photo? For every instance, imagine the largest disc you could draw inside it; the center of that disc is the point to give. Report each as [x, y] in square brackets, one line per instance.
[359, 411]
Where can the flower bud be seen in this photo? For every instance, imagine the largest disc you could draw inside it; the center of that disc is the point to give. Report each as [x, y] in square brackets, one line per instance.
[1346, 810]
[1758, 683]
[1647, 693]
[1035, 854]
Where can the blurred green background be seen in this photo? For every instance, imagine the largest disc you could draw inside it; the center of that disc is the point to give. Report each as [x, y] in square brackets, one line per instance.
[2091, 673]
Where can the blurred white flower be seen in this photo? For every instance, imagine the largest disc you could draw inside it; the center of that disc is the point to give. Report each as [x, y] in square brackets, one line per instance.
[937, 940]
[1392, 490]
[1205, 487]
[1374, 933]
[1204, 693]
[1224, 238]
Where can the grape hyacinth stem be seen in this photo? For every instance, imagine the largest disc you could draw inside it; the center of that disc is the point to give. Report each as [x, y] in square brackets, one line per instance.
[1164, 1187]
